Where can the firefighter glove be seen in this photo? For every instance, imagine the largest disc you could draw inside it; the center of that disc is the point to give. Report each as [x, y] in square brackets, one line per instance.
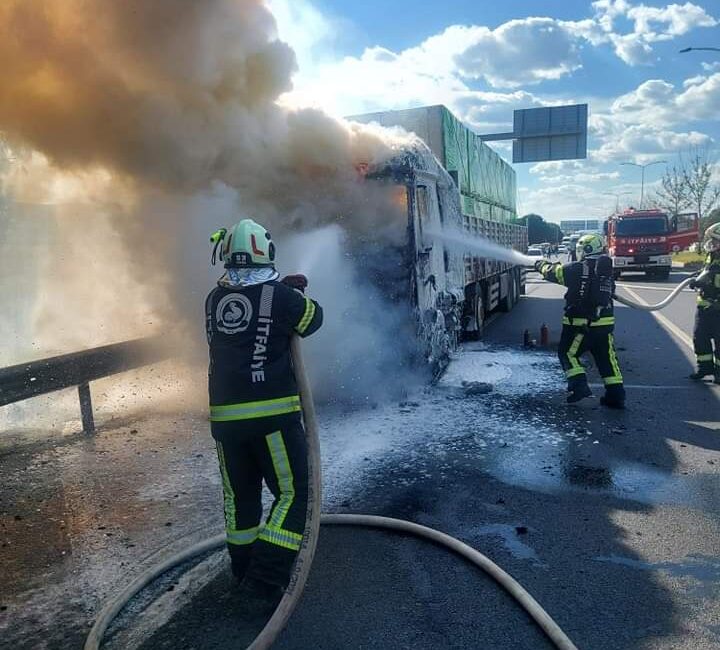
[297, 281]
[539, 265]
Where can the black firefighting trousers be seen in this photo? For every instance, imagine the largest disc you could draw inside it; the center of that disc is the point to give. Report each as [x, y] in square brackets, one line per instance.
[273, 450]
[599, 341]
[707, 330]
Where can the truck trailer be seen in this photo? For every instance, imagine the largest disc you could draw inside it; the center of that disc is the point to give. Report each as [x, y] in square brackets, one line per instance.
[452, 181]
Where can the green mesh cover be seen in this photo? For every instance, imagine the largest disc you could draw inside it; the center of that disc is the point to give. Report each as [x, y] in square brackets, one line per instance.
[487, 183]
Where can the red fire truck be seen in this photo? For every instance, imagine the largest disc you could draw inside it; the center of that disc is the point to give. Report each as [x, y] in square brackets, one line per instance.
[643, 240]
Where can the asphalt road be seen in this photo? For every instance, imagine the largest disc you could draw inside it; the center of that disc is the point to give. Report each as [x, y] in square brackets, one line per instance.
[610, 519]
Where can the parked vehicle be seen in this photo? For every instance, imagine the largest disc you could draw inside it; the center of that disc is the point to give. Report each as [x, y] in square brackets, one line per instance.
[643, 240]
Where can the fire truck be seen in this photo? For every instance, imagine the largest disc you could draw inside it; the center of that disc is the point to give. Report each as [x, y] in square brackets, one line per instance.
[644, 240]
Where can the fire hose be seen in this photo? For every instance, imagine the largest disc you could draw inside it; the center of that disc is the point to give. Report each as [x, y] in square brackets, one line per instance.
[660, 305]
[305, 556]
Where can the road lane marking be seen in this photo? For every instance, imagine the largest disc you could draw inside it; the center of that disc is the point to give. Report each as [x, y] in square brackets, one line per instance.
[713, 426]
[652, 386]
[665, 322]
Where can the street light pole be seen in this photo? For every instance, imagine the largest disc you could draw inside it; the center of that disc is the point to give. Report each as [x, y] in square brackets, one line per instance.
[642, 181]
[693, 49]
[617, 196]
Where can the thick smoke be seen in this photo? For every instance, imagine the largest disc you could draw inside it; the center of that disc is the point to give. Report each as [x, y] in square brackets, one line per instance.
[138, 127]
[177, 94]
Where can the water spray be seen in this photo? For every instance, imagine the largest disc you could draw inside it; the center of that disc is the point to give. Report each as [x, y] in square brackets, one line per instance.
[466, 242]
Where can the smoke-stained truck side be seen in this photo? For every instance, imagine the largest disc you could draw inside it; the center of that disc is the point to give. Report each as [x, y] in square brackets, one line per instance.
[457, 183]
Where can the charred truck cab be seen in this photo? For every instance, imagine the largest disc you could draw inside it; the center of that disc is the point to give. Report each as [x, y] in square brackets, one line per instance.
[453, 182]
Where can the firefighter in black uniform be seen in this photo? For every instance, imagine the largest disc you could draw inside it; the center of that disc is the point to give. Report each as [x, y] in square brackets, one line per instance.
[707, 317]
[255, 410]
[589, 319]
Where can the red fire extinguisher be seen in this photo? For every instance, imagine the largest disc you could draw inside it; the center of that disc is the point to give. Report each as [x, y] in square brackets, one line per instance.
[544, 335]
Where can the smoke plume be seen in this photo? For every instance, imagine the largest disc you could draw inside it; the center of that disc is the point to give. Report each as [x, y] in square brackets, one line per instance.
[136, 128]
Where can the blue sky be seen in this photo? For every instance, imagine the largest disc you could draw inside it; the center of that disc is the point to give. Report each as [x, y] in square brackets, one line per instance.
[483, 60]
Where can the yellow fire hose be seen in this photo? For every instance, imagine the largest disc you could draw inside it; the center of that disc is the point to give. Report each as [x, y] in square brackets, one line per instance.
[305, 556]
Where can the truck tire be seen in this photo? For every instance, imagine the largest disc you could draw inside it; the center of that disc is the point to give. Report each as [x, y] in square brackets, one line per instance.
[477, 314]
[509, 301]
[661, 274]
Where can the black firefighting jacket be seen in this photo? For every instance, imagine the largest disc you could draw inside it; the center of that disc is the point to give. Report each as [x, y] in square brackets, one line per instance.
[583, 306]
[708, 283]
[248, 331]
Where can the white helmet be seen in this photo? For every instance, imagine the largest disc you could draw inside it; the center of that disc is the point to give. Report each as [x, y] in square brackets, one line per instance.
[711, 242]
[246, 244]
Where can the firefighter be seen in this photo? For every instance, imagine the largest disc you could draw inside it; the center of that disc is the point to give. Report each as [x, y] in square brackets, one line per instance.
[589, 319]
[255, 410]
[707, 316]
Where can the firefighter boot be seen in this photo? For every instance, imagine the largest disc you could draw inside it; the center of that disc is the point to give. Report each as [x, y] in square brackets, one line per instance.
[703, 371]
[257, 598]
[578, 389]
[614, 397]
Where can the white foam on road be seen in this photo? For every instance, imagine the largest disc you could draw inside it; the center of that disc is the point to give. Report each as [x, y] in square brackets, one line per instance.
[435, 426]
[510, 371]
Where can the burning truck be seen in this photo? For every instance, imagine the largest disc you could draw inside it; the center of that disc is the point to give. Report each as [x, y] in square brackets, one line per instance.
[451, 181]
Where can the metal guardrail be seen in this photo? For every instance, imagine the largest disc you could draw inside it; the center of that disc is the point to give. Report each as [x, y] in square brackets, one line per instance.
[35, 378]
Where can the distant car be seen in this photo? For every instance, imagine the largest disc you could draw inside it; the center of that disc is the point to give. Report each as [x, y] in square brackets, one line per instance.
[535, 252]
[562, 249]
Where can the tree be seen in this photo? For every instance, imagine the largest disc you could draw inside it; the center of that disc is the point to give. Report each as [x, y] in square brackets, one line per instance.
[703, 191]
[539, 230]
[673, 195]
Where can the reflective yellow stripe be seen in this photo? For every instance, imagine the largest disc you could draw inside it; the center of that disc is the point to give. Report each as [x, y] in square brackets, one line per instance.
[251, 410]
[575, 366]
[279, 537]
[277, 401]
[576, 322]
[612, 381]
[307, 318]
[560, 274]
[704, 357]
[601, 322]
[228, 494]
[243, 537]
[617, 377]
[284, 476]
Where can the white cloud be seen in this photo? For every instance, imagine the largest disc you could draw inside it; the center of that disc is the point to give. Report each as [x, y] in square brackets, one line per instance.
[670, 21]
[519, 52]
[641, 142]
[650, 25]
[711, 67]
[659, 102]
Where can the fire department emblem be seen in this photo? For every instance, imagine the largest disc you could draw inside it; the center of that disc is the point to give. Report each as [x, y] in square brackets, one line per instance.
[233, 314]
